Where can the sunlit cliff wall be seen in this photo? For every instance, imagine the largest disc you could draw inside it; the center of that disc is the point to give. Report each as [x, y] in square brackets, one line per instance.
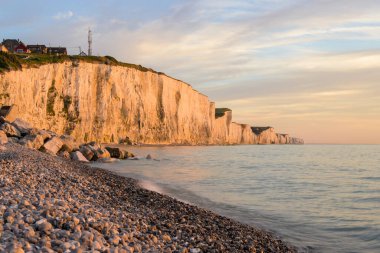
[99, 102]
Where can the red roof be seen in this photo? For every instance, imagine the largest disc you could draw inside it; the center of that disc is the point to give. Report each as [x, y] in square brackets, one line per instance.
[22, 47]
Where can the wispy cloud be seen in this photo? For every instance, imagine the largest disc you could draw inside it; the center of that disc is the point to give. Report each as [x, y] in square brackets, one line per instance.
[63, 15]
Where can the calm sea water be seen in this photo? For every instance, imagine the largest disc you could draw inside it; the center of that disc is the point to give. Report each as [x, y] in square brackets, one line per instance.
[320, 198]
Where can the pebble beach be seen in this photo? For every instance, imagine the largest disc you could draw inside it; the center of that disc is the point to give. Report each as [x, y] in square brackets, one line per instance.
[51, 204]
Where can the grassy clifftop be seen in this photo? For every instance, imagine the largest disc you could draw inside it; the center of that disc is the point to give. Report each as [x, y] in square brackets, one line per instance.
[219, 112]
[10, 62]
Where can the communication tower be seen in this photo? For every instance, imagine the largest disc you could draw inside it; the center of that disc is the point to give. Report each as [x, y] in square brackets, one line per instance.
[89, 42]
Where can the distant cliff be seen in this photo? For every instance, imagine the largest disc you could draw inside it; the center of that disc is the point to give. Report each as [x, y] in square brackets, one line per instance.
[109, 103]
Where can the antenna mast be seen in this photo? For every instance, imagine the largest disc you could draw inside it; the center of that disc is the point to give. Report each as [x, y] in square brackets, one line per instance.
[89, 42]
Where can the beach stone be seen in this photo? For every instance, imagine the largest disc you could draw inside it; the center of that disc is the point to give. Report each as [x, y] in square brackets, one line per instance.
[14, 248]
[44, 226]
[115, 240]
[65, 246]
[10, 130]
[52, 146]
[87, 238]
[29, 219]
[166, 238]
[3, 137]
[23, 126]
[29, 232]
[78, 156]
[32, 141]
[149, 157]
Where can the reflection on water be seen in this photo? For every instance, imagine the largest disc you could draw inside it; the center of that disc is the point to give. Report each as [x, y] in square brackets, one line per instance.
[322, 198]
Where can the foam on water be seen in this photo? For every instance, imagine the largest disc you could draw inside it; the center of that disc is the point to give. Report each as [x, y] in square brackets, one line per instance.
[151, 186]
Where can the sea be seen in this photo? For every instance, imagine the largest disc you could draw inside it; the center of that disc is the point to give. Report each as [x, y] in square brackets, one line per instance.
[319, 198]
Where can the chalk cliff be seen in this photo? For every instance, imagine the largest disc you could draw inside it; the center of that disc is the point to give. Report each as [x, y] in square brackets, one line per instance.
[99, 102]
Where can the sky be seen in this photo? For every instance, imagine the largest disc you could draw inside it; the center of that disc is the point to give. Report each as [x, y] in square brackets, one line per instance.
[307, 68]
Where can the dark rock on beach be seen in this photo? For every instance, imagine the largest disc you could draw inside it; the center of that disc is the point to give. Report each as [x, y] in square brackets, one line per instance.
[119, 153]
[51, 204]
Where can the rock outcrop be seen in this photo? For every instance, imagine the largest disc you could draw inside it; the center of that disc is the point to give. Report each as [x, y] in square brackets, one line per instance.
[104, 103]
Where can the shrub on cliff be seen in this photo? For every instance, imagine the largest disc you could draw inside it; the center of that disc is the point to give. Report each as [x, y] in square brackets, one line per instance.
[219, 112]
[9, 62]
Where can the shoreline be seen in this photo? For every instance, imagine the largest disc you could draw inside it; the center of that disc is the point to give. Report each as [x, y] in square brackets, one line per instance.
[49, 203]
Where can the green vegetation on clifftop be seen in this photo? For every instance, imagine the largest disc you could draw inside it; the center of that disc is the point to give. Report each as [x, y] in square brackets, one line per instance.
[10, 62]
[219, 112]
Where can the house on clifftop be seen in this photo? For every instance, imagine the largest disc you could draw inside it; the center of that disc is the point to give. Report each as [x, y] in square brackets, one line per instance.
[11, 44]
[57, 50]
[37, 49]
[21, 48]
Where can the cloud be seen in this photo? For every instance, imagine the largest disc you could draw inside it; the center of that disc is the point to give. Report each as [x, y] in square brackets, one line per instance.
[63, 15]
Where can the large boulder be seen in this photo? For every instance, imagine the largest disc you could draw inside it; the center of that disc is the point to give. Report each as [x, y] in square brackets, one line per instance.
[52, 146]
[9, 112]
[87, 152]
[101, 153]
[115, 152]
[69, 143]
[3, 138]
[98, 150]
[78, 156]
[10, 130]
[119, 153]
[46, 134]
[32, 141]
[23, 126]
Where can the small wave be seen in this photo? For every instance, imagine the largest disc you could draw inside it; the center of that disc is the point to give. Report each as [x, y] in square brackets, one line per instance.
[151, 186]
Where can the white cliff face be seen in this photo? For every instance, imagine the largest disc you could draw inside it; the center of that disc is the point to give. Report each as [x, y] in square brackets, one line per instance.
[98, 102]
[267, 135]
[283, 138]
